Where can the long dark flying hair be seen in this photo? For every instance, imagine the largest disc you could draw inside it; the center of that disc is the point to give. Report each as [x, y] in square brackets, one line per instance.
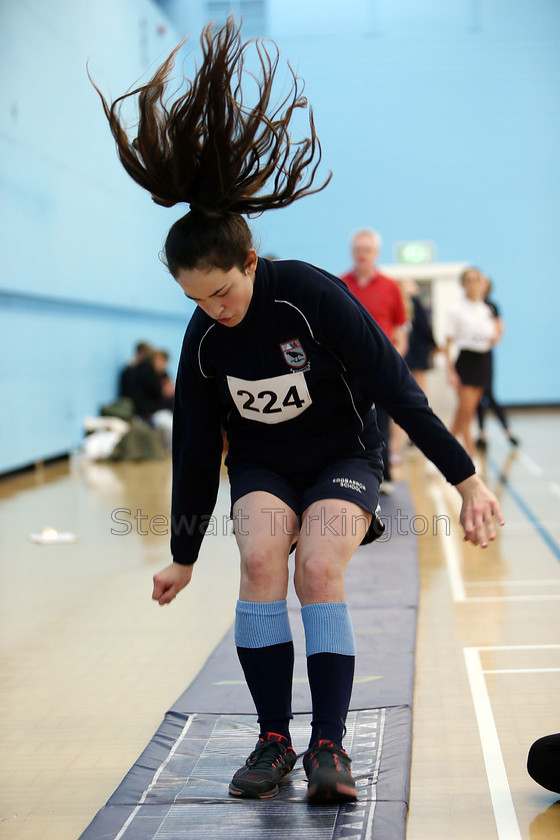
[209, 149]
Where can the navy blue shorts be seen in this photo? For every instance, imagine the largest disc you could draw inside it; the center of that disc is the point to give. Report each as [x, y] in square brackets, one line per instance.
[351, 479]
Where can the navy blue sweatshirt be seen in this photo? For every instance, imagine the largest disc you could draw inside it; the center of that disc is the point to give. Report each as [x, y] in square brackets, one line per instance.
[293, 385]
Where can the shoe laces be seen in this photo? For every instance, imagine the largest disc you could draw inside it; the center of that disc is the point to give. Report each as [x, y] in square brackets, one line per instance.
[267, 753]
[325, 751]
[312, 748]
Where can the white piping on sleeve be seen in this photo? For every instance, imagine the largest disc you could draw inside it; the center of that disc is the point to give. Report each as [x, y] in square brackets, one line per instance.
[199, 349]
[288, 303]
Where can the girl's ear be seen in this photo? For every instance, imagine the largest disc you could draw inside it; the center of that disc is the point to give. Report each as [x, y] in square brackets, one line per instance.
[252, 259]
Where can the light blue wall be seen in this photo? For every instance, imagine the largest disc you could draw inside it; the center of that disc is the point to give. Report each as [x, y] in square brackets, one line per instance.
[64, 358]
[439, 120]
[80, 278]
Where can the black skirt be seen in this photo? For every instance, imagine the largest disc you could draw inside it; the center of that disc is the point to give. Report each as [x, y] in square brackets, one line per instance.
[472, 368]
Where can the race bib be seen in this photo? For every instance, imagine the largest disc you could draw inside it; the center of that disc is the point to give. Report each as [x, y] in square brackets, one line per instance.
[273, 400]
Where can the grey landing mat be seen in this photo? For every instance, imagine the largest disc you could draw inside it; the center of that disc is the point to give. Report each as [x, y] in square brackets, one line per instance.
[178, 787]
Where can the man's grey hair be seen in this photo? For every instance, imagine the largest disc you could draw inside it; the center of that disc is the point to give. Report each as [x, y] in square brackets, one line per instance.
[368, 232]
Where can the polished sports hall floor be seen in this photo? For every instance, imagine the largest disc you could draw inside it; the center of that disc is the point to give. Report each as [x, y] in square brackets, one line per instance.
[89, 664]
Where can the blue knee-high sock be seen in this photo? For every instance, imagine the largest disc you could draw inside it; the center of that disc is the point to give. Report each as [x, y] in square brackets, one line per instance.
[266, 652]
[331, 651]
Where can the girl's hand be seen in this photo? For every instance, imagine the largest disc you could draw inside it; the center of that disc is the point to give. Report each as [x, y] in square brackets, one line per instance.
[480, 508]
[169, 582]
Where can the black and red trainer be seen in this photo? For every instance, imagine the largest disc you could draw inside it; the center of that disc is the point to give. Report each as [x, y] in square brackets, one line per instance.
[269, 763]
[328, 771]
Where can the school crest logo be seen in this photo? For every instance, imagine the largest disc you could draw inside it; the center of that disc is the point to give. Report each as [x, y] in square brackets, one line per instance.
[294, 354]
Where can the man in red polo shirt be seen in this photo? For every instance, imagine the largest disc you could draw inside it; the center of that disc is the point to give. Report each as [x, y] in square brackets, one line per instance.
[382, 298]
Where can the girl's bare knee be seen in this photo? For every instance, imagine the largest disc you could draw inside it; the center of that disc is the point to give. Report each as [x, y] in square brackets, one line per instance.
[317, 578]
[261, 567]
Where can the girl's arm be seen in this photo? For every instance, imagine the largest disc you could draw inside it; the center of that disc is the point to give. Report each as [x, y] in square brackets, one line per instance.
[197, 455]
[386, 379]
[452, 377]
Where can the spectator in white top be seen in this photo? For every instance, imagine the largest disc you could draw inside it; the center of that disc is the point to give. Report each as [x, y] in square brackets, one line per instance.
[470, 330]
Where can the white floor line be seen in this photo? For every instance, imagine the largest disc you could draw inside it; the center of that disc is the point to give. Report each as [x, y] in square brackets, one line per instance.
[554, 488]
[521, 671]
[529, 464]
[453, 565]
[519, 647]
[540, 582]
[502, 803]
[477, 599]
[156, 776]
[369, 828]
[452, 559]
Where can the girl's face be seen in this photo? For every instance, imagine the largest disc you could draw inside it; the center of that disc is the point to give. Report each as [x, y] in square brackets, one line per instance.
[224, 295]
[473, 284]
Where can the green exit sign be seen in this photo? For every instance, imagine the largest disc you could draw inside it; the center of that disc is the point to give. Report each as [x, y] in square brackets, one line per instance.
[415, 253]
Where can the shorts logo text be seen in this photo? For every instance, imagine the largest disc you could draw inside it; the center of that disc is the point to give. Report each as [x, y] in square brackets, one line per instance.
[350, 484]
